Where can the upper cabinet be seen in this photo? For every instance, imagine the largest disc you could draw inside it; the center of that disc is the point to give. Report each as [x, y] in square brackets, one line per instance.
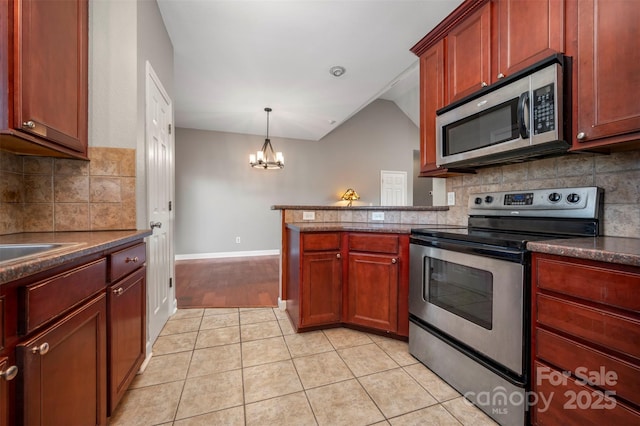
[606, 83]
[480, 43]
[468, 52]
[43, 105]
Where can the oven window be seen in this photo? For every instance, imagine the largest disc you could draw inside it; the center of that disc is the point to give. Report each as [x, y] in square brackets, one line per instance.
[490, 127]
[461, 290]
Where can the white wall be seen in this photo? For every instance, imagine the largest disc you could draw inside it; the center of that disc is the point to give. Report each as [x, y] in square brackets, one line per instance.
[123, 35]
[219, 196]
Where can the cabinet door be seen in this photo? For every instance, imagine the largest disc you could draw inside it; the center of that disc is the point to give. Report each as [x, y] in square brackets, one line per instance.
[127, 333]
[522, 45]
[63, 370]
[608, 72]
[373, 291]
[431, 99]
[469, 55]
[321, 288]
[50, 83]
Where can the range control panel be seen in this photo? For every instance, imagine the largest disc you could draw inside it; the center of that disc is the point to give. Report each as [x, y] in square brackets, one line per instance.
[580, 202]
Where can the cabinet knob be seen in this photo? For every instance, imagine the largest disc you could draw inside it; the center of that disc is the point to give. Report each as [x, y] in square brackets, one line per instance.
[581, 136]
[29, 124]
[10, 373]
[42, 349]
[338, 256]
[118, 291]
[484, 84]
[131, 260]
[394, 260]
[500, 76]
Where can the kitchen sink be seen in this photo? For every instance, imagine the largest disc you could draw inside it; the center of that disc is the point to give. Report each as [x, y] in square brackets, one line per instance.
[10, 252]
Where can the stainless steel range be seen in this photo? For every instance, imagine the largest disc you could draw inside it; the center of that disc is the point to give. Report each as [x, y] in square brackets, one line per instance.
[469, 291]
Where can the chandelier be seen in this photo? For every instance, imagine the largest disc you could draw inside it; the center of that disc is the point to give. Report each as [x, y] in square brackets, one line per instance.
[266, 158]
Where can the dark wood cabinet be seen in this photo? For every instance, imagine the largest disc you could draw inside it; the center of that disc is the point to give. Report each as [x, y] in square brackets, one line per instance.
[314, 281]
[585, 341]
[372, 292]
[359, 279]
[478, 44]
[63, 370]
[468, 55]
[527, 32]
[126, 332]
[43, 109]
[77, 335]
[431, 99]
[607, 74]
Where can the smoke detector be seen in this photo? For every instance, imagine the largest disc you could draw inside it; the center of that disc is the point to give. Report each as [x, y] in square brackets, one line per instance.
[337, 71]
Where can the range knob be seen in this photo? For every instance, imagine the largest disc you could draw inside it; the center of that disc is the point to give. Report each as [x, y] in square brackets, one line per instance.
[573, 198]
[478, 200]
[488, 199]
[554, 197]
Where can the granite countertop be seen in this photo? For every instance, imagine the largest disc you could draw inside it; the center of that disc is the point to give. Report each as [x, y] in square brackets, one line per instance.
[625, 251]
[397, 228]
[368, 208]
[76, 244]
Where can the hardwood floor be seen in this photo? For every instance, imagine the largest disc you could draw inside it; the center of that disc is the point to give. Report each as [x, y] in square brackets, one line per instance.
[240, 282]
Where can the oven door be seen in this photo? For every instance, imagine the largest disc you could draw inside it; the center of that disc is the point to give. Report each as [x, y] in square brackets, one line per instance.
[477, 300]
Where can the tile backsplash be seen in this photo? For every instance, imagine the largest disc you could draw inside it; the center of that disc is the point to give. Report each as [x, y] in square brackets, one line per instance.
[43, 194]
[618, 174]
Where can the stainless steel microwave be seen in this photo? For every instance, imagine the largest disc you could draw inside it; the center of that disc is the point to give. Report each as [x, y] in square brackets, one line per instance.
[516, 119]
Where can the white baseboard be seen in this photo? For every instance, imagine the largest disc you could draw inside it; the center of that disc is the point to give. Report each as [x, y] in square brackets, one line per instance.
[282, 304]
[219, 255]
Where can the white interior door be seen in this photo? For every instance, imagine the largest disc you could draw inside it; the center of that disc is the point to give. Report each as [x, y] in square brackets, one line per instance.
[160, 171]
[393, 188]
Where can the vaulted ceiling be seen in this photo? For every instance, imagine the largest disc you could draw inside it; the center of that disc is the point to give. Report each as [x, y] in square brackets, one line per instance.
[233, 58]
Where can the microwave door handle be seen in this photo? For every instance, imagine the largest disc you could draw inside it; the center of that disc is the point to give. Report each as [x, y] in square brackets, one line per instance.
[522, 125]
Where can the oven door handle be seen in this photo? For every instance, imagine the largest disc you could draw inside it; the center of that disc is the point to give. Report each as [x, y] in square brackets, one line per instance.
[502, 253]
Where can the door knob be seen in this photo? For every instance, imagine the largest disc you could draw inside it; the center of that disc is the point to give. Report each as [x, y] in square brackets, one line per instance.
[153, 224]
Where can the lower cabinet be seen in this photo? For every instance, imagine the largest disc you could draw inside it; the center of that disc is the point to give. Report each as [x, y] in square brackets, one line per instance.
[127, 333]
[7, 373]
[348, 278]
[63, 370]
[585, 342]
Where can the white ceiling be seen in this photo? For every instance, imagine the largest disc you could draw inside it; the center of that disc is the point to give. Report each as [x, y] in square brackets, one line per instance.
[233, 58]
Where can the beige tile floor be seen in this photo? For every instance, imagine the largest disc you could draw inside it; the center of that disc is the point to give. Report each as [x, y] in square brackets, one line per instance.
[248, 367]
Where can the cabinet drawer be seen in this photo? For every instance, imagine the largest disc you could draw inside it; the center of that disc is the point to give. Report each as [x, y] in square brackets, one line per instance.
[319, 242]
[126, 261]
[374, 243]
[47, 299]
[564, 401]
[610, 330]
[584, 362]
[605, 285]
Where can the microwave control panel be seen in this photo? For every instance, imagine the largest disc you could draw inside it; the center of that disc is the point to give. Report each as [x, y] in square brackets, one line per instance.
[544, 114]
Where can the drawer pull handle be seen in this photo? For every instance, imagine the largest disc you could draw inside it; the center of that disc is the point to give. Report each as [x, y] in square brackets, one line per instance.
[394, 260]
[131, 259]
[118, 291]
[153, 224]
[10, 373]
[42, 349]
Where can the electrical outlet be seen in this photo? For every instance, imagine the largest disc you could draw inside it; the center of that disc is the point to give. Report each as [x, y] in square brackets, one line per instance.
[451, 198]
[377, 215]
[237, 240]
[308, 215]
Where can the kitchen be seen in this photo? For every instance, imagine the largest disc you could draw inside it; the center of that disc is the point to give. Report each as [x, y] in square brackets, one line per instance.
[116, 100]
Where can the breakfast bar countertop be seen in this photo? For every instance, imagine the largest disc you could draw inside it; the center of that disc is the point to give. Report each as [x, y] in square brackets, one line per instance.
[621, 250]
[74, 245]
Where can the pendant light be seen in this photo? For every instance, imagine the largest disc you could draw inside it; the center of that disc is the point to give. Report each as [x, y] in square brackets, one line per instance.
[266, 158]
